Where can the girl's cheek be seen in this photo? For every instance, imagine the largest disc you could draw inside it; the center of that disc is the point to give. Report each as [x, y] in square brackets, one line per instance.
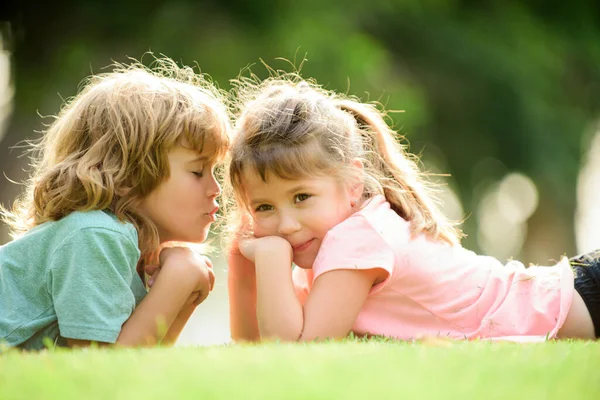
[260, 230]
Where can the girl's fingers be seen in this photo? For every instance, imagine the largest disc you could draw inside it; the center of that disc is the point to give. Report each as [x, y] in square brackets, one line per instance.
[151, 269]
[246, 224]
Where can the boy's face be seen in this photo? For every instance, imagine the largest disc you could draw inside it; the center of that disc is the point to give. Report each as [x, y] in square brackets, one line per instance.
[184, 205]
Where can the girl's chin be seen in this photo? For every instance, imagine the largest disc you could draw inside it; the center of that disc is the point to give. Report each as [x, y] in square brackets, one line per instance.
[303, 265]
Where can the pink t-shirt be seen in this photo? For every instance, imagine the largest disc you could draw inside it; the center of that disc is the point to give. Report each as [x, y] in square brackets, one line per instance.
[434, 288]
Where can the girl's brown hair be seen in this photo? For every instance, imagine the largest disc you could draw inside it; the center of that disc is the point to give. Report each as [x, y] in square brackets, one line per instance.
[290, 127]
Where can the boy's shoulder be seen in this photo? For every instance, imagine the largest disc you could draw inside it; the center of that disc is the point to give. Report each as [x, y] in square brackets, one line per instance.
[78, 224]
[96, 219]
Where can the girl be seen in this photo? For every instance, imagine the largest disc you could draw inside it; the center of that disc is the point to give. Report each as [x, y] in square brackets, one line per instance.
[321, 182]
[125, 167]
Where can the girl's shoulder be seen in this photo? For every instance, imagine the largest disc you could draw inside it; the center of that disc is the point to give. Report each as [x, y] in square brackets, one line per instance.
[376, 215]
[375, 224]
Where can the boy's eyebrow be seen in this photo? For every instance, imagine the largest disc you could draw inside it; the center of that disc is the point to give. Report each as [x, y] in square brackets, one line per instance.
[198, 159]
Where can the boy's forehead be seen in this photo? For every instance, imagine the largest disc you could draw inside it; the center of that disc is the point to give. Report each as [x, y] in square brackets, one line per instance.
[208, 152]
[210, 147]
[187, 155]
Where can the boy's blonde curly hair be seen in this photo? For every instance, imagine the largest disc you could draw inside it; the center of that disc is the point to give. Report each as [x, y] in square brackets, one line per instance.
[107, 148]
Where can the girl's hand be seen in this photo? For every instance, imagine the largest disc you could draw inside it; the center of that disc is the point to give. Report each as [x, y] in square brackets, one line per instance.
[237, 264]
[247, 247]
[152, 271]
[252, 246]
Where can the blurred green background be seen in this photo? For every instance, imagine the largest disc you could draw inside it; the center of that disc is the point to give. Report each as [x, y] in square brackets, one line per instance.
[502, 95]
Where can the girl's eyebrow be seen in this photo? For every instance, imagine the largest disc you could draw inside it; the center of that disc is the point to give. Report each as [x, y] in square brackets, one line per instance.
[297, 188]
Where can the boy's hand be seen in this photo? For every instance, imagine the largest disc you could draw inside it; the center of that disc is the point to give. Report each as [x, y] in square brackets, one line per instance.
[198, 296]
[199, 267]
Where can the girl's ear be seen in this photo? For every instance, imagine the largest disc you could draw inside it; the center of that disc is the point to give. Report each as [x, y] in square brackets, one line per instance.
[357, 185]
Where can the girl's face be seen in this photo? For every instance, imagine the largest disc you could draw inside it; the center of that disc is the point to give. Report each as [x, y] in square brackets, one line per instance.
[300, 211]
[184, 205]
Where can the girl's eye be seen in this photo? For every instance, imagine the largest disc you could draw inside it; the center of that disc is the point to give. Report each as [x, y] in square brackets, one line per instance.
[263, 207]
[301, 197]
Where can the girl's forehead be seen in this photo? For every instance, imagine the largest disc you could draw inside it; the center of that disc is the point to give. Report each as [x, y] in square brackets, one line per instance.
[253, 182]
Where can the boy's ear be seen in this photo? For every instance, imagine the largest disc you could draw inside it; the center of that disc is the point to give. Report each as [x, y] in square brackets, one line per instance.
[122, 191]
[357, 164]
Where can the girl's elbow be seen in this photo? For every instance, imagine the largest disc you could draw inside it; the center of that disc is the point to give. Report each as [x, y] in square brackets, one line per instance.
[320, 336]
[281, 335]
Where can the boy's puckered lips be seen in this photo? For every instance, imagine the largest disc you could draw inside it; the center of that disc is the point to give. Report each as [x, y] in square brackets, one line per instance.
[213, 213]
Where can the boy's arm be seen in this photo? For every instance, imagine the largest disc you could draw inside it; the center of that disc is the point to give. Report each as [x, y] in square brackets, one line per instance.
[163, 312]
[241, 282]
[183, 272]
[178, 324]
[162, 308]
[190, 305]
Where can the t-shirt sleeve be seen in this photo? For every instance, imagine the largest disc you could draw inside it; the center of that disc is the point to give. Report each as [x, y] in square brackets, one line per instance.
[91, 273]
[355, 244]
[302, 279]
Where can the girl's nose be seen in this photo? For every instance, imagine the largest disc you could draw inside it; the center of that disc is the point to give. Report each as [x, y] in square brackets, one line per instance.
[288, 225]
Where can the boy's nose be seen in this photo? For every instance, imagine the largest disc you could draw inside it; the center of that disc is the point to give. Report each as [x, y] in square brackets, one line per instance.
[214, 189]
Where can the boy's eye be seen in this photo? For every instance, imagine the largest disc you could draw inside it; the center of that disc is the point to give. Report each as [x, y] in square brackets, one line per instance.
[301, 197]
[199, 172]
[263, 207]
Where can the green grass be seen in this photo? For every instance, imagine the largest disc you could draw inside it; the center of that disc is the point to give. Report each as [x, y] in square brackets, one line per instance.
[348, 370]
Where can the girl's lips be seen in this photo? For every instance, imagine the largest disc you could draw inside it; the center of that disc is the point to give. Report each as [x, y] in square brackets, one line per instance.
[303, 246]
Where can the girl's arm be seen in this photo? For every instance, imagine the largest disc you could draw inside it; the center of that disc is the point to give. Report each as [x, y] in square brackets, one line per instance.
[241, 282]
[331, 308]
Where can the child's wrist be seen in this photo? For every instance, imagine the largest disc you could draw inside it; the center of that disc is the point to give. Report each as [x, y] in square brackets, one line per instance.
[274, 248]
[181, 276]
[239, 264]
[245, 272]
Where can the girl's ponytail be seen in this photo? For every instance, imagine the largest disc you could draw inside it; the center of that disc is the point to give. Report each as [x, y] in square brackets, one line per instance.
[397, 173]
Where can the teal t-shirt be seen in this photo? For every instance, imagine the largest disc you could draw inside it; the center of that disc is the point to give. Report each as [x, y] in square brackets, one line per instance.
[73, 278]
